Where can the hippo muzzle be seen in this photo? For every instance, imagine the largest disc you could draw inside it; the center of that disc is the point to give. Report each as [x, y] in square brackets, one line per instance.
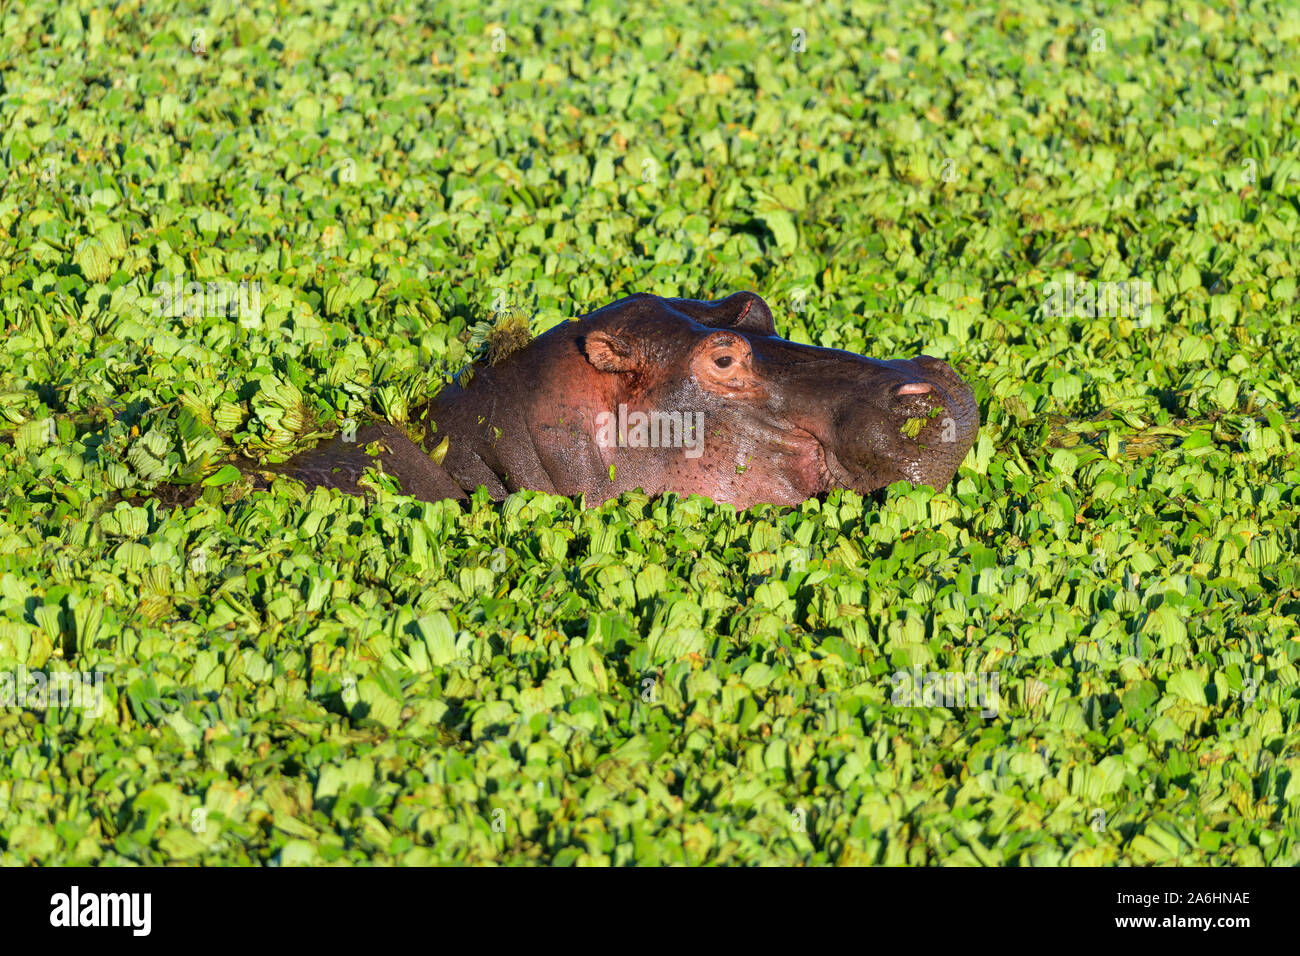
[909, 420]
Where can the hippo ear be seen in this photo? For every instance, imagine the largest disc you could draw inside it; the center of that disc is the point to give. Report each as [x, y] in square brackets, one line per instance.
[609, 351]
[742, 311]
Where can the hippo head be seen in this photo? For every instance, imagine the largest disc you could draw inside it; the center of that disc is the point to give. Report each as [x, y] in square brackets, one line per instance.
[765, 419]
[672, 396]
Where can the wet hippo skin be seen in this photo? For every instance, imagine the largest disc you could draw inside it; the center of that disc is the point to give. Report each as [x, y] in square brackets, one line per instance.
[672, 395]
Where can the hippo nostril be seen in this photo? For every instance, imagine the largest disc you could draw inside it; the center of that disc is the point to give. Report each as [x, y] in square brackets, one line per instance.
[914, 388]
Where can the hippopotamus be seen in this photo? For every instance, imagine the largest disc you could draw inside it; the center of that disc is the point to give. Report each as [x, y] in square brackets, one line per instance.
[670, 395]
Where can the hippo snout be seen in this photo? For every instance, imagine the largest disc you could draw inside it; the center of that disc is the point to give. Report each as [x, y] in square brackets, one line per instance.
[914, 420]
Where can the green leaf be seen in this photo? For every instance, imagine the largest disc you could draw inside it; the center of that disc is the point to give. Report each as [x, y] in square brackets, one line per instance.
[222, 476]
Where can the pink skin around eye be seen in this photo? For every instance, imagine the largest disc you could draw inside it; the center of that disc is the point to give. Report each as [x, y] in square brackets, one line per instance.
[914, 388]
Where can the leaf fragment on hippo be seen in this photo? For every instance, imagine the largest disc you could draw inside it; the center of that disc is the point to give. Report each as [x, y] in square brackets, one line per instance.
[912, 427]
[440, 453]
[222, 476]
[509, 335]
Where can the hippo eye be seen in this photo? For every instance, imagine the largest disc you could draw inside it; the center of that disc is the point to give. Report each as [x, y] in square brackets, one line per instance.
[722, 361]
